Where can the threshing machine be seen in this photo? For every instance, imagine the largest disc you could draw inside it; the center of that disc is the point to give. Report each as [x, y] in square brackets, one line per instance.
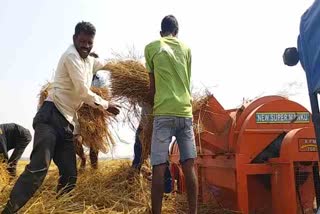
[259, 158]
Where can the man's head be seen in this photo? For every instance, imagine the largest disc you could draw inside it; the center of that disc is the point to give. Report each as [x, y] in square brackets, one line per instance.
[290, 56]
[83, 38]
[169, 26]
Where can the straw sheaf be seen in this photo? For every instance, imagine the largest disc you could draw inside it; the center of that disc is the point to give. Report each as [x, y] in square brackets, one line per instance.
[129, 79]
[146, 136]
[130, 83]
[93, 125]
[92, 121]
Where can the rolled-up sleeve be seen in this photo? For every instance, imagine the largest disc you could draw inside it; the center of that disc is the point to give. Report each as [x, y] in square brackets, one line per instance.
[99, 64]
[77, 75]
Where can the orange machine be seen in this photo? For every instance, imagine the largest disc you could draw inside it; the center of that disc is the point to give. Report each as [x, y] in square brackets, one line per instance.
[259, 158]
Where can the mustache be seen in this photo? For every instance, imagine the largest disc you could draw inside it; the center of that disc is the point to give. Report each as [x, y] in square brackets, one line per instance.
[83, 48]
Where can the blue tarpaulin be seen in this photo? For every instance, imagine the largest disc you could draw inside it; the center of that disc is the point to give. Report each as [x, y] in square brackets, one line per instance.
[309, 46]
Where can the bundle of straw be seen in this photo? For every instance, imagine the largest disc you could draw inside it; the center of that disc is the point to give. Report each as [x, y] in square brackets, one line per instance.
[43, 93]
[93, 125]
[146, 134]
[129, 79]
[199, 103]
[130, 82]
[93, 122]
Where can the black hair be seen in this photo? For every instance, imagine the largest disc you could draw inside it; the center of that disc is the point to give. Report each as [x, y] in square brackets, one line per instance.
[290, 56]
[169, 24]
[85, 27]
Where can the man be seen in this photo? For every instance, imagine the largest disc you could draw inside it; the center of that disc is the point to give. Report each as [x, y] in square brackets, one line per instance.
[307, 52]
[168, 61]
[16, 137]
[53, 138]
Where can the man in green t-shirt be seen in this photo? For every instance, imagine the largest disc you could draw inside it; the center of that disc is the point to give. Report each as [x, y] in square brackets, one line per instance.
[168, 61]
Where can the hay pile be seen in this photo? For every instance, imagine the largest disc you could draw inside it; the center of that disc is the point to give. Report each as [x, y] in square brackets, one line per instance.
[199, 103]
[4, 176]
[105, 190]
[93, 122]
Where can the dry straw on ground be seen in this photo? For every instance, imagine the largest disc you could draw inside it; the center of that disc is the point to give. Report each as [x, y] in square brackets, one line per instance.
[93, 122]
[105, 190]
[4, 176]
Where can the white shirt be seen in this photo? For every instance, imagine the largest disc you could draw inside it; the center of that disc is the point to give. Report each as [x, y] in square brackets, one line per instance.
[72, 81]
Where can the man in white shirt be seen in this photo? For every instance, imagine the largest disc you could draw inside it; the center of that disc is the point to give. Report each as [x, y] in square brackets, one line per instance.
[53, 123]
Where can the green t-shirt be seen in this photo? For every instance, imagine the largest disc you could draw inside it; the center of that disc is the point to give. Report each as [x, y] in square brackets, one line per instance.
[170, 61]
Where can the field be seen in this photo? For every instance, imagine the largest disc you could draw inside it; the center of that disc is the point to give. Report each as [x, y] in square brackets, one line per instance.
[106, 190]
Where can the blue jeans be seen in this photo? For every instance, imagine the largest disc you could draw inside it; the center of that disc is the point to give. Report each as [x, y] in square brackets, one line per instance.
[164, 128]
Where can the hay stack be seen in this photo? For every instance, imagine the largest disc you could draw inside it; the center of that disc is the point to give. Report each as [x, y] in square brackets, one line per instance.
[4, 176]
[105, 190]
[93, 122]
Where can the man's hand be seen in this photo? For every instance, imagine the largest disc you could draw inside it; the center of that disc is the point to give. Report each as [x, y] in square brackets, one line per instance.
[113, 109]
[12, 171]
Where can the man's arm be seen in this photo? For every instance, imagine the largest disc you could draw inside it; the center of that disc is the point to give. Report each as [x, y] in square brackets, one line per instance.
[23, 138]
[98, 64]
[150, 68]
[152, 88]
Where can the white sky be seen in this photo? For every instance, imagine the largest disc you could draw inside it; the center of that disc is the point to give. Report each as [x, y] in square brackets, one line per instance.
[236, 45]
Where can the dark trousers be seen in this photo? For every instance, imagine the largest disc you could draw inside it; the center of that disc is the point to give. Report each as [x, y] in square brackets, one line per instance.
[53, 139]
[137, 149]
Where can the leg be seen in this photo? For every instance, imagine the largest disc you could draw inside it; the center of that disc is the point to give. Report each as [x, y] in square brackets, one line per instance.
[136, 163]
[187, 148]
[167, 179]
[80, 151]
[163, 129]
[191, 184]
[157, 187]
[94, 158]
[35, 172]
[65, 159]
